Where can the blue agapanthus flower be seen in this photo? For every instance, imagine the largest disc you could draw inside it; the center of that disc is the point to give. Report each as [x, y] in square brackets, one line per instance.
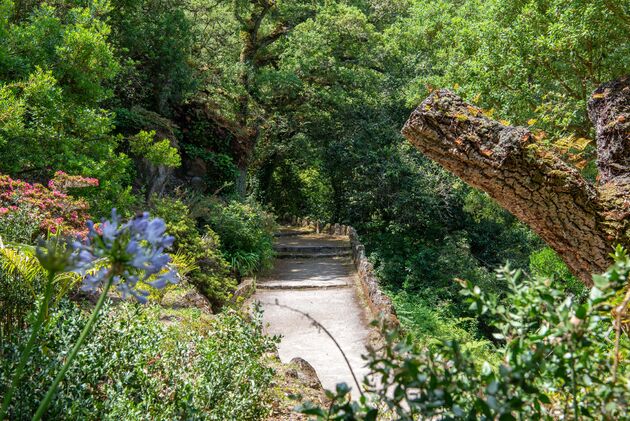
[129, 252]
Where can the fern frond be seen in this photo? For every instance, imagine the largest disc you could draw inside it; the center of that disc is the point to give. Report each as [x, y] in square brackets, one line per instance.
[23, 264]
[65, 281]
[183, 263]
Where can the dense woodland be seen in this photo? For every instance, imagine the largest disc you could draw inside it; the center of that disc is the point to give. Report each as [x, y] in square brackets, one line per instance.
[221, 118]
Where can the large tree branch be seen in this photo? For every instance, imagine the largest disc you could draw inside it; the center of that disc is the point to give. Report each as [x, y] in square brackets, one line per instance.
[279, 31]
[580, 221]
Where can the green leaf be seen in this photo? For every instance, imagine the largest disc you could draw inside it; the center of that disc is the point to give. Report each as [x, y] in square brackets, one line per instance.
[600, 281]
[581, 312]
[544, 398]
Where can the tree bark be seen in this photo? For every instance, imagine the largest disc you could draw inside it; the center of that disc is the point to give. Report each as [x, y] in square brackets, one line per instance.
[581, 221]
[253, 44]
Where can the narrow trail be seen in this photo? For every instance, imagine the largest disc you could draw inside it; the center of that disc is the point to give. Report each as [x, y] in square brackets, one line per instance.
[314, 274]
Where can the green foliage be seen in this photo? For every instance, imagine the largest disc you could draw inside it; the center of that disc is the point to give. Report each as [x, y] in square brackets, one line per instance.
[45, 128]
[22, 281]
[220, 168]
[322, 100]
[212, 273]
[527, 59]
[546, 263]
[430, 325]
[55, 70]
[246, 233]
[19, 226]
[562, 359]
[157, 152]
[298, 188]
[134, 367]
[334, 48]
[154, 38]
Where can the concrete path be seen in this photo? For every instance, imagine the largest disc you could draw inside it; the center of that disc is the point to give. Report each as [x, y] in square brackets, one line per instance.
[314, 274]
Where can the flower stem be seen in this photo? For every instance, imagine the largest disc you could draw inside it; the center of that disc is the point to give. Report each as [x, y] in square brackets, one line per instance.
[41, 315]
[43, 406]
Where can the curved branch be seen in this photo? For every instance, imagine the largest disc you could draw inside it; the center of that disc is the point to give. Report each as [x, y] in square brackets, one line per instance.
[578, 220]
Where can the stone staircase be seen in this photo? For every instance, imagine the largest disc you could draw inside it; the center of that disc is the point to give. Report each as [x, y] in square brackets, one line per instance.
[308, 260]
[314, 274]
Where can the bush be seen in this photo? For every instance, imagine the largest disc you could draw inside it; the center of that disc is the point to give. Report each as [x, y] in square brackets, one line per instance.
[561, 359]
[50, 207]
[22, 282]
[246, 233]
[212, 276]
[135, 368]
[430, 324]
[17, 291]
[18, 225]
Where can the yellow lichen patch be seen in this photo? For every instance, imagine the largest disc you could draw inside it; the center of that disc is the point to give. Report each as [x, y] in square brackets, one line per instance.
[489, 113]
[601, 95]
[558, 174]
[473, 110]
[486, 152]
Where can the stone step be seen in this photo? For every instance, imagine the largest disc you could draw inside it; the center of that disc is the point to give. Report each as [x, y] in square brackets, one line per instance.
[312, 284]
[297, 255]
[293, 233]
[280, 248]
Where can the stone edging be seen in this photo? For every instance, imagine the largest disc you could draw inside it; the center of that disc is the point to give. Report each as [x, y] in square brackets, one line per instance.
[378, 301]
[245, 290]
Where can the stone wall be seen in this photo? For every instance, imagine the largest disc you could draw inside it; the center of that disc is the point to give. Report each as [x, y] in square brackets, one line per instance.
[244, 290]
[378, 301]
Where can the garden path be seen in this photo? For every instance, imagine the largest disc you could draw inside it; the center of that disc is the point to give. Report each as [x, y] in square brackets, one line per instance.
[315, 275]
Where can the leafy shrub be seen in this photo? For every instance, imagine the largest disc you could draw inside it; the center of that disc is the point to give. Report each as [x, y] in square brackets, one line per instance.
[246, 233]
[562, 359]
[56, 69]
[22, 283]
[157, 152]
[50, 208]
[57, 75]
[17, 224]
[212, 275]
[430, 324]
[134, 367]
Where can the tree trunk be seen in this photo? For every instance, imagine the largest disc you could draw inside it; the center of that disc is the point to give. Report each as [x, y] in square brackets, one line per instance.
[581, 221]
[241, 182]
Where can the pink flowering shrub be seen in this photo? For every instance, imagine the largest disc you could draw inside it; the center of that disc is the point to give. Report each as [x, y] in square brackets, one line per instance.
[51, 208]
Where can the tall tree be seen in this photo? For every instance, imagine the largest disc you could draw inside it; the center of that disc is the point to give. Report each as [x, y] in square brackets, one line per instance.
[235, 68]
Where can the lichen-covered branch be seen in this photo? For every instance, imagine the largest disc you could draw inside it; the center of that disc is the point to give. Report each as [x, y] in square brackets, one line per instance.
[579, 220]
